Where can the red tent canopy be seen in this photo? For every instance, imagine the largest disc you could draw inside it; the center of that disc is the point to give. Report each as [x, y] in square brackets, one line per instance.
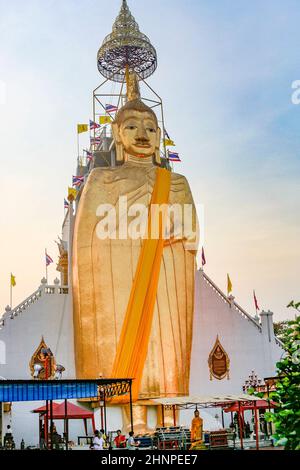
[260, 405]
[73, 411]
[42, 409]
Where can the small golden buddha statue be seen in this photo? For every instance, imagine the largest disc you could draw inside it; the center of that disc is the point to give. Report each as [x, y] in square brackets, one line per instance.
[196, 427]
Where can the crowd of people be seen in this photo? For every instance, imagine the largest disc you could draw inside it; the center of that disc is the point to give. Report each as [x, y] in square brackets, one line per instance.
[101, 441]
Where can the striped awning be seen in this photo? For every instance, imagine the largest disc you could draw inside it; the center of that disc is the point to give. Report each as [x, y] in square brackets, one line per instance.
[12, 391]
[203, 400]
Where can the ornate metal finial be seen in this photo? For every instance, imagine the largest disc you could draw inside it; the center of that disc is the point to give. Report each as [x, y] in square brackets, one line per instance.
[126, 48]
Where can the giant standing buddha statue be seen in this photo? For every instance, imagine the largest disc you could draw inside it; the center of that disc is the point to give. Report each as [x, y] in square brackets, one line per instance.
[133, 257]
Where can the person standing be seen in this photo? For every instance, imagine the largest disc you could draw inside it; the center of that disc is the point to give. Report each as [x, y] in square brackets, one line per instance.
[98, 441]
[131, 444]
[43, 445]
[120, 440]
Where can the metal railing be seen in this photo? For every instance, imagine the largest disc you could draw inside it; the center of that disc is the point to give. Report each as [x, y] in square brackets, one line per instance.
[231, 303]
[42, 290]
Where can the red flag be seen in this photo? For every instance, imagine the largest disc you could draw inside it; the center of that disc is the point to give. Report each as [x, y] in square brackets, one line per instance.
[203, 257]
[255, 301]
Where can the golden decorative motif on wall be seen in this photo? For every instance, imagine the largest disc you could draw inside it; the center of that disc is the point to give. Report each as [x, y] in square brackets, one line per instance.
[42, 364]
[218, 362]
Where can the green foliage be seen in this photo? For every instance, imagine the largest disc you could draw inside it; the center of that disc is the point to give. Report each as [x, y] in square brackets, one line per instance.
[280, 328]
[286, 416]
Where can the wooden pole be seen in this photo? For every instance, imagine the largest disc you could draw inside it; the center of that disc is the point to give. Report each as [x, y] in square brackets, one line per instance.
[102, 417]
[131, 411]
[163, 415]
[105, 424]
[10, 290]
[46, 424]
[66, 425]
[256, 426]
[46, 265]
[240, 426]
[269, 424]
[233, 429]
[174, 416]
[51, 424]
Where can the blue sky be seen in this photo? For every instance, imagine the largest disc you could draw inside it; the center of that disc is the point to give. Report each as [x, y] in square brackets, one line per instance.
[225, 70]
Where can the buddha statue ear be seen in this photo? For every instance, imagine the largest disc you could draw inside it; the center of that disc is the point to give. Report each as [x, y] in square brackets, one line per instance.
[118, 143]
[157, 147]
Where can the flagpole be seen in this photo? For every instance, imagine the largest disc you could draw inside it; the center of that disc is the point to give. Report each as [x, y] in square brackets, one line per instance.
[10, 291]
[78, 145]
[255, 303]
[46, 265]
[203, 260]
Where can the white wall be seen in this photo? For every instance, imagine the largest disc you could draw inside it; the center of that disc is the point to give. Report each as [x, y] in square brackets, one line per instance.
[49, 316]
[245, 342]
[114, 418]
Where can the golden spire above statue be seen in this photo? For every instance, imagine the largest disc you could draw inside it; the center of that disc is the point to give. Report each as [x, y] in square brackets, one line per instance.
[126, 48]
[133, 89]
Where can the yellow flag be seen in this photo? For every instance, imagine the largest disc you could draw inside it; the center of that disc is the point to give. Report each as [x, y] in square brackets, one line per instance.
[169, 143]
[12, 280]
[105, 119]
[82, 128]
[229, 285]
[72, 193]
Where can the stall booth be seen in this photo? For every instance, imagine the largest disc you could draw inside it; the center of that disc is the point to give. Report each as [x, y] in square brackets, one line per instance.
[259, 405]
[237, 403]
[61, 413]
[50, 390]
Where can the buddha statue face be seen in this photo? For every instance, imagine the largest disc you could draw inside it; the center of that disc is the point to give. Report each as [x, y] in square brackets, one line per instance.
[137, 134]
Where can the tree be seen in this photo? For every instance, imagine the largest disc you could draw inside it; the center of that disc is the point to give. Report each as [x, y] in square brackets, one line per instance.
[286, 416]
[280, 328]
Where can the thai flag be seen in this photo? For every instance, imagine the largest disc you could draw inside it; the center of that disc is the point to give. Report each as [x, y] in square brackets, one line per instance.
[49, 260]
[89, 155]
[255, 301]
[66, 204]
[94, 125]
[96, 140]
[77, 180]
[173, 157]
[110, 108]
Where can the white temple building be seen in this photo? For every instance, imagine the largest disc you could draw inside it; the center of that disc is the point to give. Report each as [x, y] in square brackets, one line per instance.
[228, 343]
[249, 344]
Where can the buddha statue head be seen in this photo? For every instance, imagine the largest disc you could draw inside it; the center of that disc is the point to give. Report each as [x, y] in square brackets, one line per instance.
[135, 128]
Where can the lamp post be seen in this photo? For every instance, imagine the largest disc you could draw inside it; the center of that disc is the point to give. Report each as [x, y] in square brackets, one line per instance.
[102, 404]
[254, 382]
[59, 369]
[45, 352]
